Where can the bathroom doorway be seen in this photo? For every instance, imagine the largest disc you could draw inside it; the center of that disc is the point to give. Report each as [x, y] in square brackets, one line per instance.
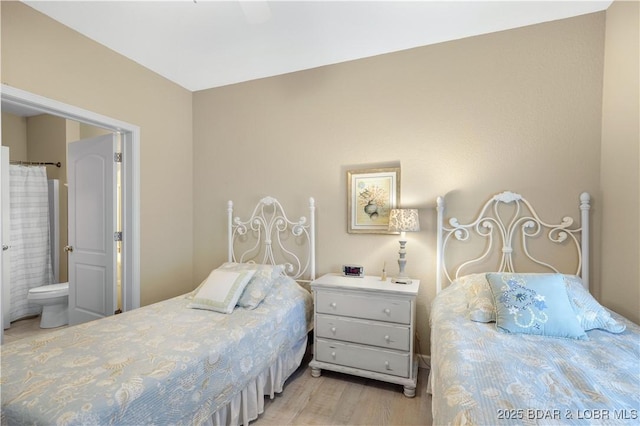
[128, 247]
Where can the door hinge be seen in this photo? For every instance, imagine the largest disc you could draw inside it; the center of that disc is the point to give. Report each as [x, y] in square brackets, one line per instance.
[117, 236]
[117, 157]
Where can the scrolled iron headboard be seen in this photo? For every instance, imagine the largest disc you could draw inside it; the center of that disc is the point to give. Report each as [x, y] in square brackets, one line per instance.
[271, 235]
[491, 226]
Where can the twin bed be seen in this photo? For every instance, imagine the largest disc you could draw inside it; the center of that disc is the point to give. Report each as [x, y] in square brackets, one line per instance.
[183, 360]
[526, 348]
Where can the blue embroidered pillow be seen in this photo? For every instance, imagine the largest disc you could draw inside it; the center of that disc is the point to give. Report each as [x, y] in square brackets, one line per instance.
[534, 304]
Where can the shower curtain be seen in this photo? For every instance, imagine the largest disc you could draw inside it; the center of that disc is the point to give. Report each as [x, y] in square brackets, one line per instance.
[30, 249]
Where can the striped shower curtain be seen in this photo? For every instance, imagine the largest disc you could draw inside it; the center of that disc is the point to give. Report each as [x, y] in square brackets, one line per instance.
[30, 249]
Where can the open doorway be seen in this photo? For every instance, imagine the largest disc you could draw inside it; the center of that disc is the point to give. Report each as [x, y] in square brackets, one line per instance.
[128, 135]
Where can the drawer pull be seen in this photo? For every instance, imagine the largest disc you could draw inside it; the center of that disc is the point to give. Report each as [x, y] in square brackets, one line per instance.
[333, 304]
[333, 330]
[387, 311]
[386, 365]
[333, 355]
[386, 338]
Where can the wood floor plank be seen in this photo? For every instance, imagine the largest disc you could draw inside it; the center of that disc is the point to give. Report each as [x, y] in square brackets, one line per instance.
[321, 407]
[285, 410]
[351, 398]
[342, 399]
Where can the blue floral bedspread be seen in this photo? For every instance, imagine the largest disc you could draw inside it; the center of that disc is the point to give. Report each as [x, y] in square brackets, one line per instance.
[480, 376]
[160, 364]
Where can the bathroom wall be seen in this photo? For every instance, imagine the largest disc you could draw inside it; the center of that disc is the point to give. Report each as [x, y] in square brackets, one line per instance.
[14, 135]
[46, 142]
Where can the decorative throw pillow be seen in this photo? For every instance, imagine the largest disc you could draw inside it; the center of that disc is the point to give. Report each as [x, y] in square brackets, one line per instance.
[193, 292]
[479, 297]
[259, 285]
[589, 312]
[534, 304]
[221, 290]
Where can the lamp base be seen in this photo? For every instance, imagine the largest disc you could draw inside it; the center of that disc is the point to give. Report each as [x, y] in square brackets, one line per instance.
[401, 280]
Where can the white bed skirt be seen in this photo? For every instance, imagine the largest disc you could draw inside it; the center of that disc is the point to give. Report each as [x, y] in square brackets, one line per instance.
[248, 404]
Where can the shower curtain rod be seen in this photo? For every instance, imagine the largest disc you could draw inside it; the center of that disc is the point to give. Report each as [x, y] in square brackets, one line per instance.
[35, 163]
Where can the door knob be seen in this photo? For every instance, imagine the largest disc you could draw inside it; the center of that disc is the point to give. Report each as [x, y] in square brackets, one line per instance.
[5, 247]
[68, 249]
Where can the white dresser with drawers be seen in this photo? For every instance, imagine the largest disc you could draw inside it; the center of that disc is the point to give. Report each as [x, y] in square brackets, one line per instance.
[365, 327]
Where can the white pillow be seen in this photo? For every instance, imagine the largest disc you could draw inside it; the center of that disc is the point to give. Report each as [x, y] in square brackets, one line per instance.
[221, 290]
[259, 285]
[479, 297]
[589, 312]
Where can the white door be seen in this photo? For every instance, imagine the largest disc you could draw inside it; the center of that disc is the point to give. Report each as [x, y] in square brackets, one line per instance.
[5, 294]
[91, 176]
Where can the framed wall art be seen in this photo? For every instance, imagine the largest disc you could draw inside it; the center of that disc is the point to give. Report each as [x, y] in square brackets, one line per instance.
[371, 194]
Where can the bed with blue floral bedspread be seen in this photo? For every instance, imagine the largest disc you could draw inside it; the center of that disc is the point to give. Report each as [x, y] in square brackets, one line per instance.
[486, 372]
[161, 364]
[515, 341]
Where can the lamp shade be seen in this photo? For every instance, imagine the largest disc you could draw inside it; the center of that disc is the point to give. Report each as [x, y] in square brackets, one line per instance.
[404, 220]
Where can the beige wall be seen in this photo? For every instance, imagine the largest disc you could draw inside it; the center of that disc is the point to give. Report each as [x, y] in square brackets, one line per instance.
[44, 57]
[517, 110]
[620, 180]
[47, 142]
[14, 135]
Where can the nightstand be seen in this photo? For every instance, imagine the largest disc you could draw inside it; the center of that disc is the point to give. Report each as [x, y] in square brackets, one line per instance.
[365, 327]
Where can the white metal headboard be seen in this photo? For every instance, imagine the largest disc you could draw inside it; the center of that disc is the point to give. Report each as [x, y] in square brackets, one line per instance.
[272, 236]
[491, 226]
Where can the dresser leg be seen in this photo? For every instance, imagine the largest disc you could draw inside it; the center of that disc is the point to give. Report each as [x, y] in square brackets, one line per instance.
[409, 392]
[315, 372]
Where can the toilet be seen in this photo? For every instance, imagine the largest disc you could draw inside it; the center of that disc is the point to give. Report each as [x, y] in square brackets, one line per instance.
[54, 299]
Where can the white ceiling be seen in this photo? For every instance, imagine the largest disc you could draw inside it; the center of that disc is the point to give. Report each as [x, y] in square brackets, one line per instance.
[203, 44]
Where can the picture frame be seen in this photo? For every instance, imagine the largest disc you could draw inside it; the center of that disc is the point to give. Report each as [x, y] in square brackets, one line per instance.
[371, 194]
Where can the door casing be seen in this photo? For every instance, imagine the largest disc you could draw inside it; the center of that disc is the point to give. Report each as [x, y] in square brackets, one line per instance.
[5, 255]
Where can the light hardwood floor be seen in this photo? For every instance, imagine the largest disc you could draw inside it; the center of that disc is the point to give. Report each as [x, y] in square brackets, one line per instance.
[341, 399]
[331, 399]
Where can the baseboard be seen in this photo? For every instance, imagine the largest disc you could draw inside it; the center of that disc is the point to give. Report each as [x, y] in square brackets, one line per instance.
[424, 361]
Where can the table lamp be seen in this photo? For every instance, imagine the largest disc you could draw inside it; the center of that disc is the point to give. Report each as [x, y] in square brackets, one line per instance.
[403, 221]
